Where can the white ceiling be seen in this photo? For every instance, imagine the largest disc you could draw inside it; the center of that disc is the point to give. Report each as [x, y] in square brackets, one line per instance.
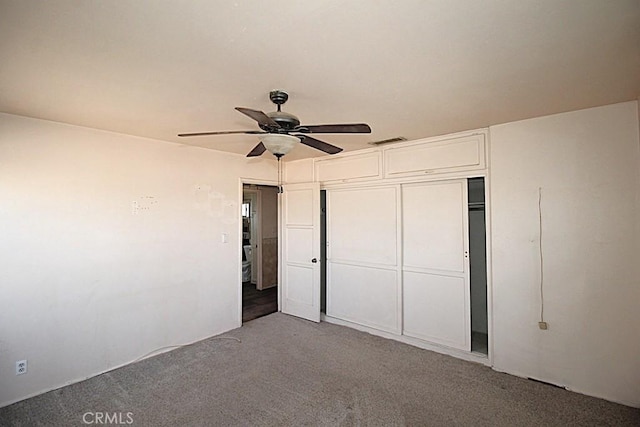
[412, 68]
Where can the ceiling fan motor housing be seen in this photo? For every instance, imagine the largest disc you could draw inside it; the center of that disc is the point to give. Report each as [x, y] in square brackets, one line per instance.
[286, 121]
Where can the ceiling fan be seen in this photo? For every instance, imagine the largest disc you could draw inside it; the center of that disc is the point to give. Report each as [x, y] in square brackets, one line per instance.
[282, 131]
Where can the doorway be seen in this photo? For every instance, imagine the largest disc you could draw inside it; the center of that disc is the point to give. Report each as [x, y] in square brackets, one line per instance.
[259, 251]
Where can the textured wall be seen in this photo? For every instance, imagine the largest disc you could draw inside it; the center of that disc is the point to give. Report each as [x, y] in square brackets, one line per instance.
[112, 247]
[588, 166]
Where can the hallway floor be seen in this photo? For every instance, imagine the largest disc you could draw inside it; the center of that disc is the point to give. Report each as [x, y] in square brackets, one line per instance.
[256, 303]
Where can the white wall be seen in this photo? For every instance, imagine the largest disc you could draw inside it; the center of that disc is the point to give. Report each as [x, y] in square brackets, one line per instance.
[588, 165]
[87, 285]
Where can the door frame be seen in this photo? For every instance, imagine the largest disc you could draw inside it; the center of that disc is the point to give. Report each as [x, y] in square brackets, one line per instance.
[241, 183]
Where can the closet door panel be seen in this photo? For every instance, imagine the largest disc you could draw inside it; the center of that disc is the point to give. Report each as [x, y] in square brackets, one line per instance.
[363, 295]
[435, 292]
[435, 309]
[362, 226]
[434, 219]
[362, 256]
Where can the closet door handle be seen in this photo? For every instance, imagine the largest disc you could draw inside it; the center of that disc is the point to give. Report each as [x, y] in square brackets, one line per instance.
[314, 260]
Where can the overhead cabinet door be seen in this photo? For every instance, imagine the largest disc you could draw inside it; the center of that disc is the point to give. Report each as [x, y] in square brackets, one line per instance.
[419, 158]
[436, 263]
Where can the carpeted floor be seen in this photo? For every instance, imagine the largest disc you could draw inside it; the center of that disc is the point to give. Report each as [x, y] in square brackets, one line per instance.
[289, 372]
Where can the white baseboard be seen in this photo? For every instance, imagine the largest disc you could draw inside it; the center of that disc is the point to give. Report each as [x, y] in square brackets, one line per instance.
[483, 359]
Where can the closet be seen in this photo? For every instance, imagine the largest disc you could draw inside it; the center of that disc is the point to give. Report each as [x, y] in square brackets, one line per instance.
[398, 260]
[404, 241]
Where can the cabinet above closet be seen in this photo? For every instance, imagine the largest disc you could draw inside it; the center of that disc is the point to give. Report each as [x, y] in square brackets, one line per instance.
[425, 157]
[367, 166]
[431, 156]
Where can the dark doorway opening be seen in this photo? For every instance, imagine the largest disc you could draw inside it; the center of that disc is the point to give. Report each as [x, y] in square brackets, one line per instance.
[259, 251]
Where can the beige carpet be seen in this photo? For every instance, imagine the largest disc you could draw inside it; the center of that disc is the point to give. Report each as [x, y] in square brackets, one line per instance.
[290, 372]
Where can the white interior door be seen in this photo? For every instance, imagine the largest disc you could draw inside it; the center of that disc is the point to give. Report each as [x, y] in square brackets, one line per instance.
[436, 291]
[301, 251]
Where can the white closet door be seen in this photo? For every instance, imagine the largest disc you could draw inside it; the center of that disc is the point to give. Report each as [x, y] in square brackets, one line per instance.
[436, 263]
[300, 291]
[362, 257]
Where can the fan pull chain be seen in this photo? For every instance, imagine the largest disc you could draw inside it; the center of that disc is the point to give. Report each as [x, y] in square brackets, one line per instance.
[279, 174]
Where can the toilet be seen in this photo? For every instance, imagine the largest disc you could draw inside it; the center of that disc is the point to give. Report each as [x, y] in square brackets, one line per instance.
[246, 265]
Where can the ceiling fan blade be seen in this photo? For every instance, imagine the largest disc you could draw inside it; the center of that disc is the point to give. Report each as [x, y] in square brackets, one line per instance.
[319, 145]
[225, 132]
[257, 150]
[342, 128]
[259, 117]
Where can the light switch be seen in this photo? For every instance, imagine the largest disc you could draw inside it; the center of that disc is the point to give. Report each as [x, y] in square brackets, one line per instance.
[225, 238]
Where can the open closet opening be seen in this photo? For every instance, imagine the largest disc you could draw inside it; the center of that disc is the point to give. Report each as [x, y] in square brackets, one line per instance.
[259, 251]
[478, 265]
[323, 251]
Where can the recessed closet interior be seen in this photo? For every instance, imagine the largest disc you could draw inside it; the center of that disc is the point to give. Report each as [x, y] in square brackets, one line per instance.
[478, 265]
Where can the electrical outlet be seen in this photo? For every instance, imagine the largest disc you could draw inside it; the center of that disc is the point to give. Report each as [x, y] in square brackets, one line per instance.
[21, 367]
[543, 326]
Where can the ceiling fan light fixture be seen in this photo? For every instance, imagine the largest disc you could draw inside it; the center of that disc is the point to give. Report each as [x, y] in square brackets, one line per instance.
[279, 144]
[277, 126]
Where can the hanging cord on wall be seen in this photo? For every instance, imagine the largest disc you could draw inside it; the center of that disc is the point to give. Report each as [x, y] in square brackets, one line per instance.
[542, 324]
